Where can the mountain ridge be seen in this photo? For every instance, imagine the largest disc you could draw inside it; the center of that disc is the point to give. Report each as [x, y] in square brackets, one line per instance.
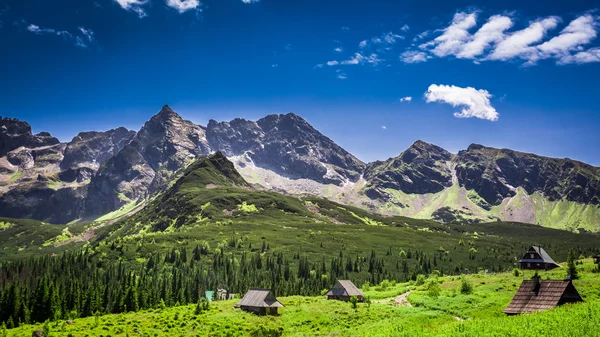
[101, 172]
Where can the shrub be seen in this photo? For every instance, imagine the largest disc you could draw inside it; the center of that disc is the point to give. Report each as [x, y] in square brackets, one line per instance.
[466, 287]
[354, 302]
[433, 288]
[516, 272]
[420, 280]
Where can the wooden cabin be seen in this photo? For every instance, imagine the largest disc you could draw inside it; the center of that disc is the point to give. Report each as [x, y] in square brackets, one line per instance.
[343, 290]
[536, 258]
[536, 295]
[260, 302]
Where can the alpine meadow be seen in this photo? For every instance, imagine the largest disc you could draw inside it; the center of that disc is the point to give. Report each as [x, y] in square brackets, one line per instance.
[222, 213]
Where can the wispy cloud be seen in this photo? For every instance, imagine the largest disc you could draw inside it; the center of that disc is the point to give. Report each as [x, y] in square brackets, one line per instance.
[405, 28]
[274, 65]
[338, 49]
[88, 33]
[494, 41]
[406, 99]
[474, 103]
[345, 29]
[83, 38]
[332, 63]
[384, 127]
[134, 6]
[250, 1]
[319, 66]
[359, 59]
[413, 56]
[183, 6]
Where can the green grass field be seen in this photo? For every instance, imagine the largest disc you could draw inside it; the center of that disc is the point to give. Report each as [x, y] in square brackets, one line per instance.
[451, 313]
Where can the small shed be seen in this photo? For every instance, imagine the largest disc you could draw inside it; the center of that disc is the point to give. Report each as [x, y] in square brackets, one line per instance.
[343, 290]
[260, 302]
[536, 295]
[222, 294]
[536, 258]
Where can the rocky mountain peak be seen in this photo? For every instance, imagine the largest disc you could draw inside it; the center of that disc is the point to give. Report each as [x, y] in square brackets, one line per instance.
[15, 133]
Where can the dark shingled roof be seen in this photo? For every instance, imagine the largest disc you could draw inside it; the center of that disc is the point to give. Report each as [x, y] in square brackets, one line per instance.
[549, 294]
[545, 257]
[344, 288]
[259, 298]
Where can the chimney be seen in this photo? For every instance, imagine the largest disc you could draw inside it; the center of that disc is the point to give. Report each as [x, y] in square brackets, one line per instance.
[535, 286]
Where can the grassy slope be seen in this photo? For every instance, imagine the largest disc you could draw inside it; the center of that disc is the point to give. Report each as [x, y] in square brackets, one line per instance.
[560, 214]
[450, 314]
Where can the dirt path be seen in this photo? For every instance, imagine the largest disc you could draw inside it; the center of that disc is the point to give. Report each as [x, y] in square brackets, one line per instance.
[398, 301]
[402, 300]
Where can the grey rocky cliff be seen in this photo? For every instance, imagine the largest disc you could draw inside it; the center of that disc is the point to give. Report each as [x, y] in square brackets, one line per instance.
[165, 144]
[287, 145]
[15, 133]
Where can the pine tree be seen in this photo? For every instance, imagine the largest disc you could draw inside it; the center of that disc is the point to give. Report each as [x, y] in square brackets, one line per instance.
[572, 266]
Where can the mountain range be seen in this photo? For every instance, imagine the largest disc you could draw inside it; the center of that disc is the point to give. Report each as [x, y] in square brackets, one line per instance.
[100, 172]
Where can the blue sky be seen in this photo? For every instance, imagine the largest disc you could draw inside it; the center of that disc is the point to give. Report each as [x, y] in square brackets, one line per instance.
[517, 74]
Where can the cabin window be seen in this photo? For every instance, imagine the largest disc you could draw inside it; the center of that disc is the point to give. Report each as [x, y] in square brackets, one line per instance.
[529, 265]
[532, 256]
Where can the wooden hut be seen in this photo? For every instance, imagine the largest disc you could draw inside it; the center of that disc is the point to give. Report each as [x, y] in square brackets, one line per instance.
[536, 258]
[536, 295]
[260, 302]
[343, 290]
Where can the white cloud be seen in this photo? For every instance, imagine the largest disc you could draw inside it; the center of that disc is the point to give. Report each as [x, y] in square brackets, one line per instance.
[183, 6]
[363, 43]
[384, 127]
[338, 49]
[36, 29]
[390, 38]
[250, 1]
[518, 44]
[359, 59]
[414, 57]
[406, 99]
[342, 76]
[274, 65]
[493, 41]
[320, 65]
[475, 103]
[489, 33]
[588, 56]
[332, 63]
[454, 36]
[83, 40]
[134, 5]
[88, 33]
[579, 32]
[421, 36]
[405, 28]
[80, 42]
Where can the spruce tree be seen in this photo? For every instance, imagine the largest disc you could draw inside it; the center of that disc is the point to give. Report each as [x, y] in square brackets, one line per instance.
[571, 266]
